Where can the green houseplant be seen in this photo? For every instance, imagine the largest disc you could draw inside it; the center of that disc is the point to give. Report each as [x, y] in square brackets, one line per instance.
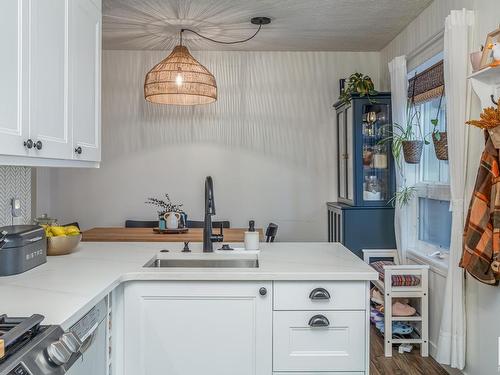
[164, 206]
[357, 83]
[407, 139]
[403, 196]
[439, 138]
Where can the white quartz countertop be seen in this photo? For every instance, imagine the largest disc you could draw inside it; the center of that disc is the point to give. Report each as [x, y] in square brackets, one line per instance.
[66, 287]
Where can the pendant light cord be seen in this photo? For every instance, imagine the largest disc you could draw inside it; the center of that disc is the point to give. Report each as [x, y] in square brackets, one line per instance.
[220, 41]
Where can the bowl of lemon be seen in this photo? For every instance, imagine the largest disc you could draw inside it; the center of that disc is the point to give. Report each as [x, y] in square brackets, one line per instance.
[62, 240]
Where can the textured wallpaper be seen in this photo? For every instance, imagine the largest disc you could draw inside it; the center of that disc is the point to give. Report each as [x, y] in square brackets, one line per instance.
[268, 142]
[15, 182]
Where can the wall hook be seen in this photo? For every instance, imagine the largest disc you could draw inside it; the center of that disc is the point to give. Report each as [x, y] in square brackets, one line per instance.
[493, 99]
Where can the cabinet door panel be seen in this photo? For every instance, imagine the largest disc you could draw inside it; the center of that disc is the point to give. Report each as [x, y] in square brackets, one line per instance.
[191, 328]
[84, 78]
[48, 78]
[13, 77]
[340, 346]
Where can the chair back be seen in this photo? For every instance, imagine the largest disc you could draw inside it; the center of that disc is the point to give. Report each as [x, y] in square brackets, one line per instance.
[141, 223]
[74, 224]
[215, 224]
[271, 231]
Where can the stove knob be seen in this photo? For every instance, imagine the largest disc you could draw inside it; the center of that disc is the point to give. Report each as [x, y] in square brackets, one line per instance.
[58, 353]
[71, 341]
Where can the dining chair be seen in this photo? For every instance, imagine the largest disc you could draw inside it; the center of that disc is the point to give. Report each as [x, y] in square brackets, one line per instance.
[271, 231]
[74, 224]
[215, 224]
[141, 223]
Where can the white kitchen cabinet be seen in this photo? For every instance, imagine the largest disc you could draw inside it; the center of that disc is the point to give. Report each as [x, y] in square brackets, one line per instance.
[85, 79]
[14, 129]
[49, 128]
[319, 295]
[50, 92]
[192, 328]
[319, 341]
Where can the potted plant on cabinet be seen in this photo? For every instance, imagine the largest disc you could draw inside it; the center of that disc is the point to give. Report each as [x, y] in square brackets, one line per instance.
[358, 83]
[439, 138]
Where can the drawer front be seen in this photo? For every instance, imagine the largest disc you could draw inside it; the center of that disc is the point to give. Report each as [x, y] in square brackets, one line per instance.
[320, 295]
[337, 344]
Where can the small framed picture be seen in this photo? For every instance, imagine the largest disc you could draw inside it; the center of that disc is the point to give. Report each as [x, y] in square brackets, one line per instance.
[487, 57]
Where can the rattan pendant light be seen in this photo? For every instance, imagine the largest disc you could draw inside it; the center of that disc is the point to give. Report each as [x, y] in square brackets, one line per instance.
[180, 79]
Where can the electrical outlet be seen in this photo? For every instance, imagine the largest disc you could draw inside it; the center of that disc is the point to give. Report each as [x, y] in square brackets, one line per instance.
[16, 207]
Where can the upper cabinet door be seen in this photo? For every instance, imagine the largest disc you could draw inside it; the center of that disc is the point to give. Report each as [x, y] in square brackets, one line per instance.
[48, 79]
[14, 129]
[85, 79]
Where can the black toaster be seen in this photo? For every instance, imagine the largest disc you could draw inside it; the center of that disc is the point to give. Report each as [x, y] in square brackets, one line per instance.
[22, 247]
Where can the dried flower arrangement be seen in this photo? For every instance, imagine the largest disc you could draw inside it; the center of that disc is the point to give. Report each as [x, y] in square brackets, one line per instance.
[490, 118]
[164, 205]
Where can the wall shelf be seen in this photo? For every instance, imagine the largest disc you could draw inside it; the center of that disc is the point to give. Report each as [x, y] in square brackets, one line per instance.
[487, 75]
[486, 82]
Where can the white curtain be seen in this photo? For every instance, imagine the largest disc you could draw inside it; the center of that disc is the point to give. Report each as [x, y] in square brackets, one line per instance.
[457, 43]
[399, 94]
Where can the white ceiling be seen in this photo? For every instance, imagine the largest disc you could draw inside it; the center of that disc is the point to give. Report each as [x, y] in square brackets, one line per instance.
[297, 25]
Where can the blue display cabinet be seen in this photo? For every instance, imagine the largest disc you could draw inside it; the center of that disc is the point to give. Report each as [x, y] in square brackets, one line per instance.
[362, 217]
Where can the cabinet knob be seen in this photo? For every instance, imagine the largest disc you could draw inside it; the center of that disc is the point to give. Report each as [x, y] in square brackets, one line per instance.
[28, 144]
[38, 145]
[78, 150]
[319, 293]
[319, 321]
[262, 291]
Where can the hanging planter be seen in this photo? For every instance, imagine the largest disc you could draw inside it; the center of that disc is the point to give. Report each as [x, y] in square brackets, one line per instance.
[412, 151]
[440, 140]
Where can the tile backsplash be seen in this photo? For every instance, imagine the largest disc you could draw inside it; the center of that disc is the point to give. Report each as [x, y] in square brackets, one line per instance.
[15, 182]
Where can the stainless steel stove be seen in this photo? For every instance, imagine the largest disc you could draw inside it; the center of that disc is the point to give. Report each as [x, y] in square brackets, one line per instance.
[29, 348]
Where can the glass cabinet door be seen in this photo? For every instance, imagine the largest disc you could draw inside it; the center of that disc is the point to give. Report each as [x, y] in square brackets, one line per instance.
[350, 153]
[376, 155]
[342, 151]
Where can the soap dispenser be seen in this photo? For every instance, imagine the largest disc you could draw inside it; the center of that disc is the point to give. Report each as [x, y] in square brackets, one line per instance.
[251, 237]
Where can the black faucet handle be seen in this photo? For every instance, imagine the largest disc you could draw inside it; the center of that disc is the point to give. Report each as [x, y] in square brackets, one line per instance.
[186, 247]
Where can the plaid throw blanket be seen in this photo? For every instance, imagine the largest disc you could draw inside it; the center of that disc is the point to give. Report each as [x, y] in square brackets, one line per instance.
[481, 242]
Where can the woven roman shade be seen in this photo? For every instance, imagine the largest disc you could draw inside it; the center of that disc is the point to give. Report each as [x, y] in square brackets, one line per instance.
[180, 79]
[428, 84]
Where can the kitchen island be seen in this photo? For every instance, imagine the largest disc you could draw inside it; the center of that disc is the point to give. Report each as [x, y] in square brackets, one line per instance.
[305, 308]
[120, 234]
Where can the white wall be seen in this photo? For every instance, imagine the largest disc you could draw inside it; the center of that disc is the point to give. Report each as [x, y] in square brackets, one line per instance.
[483, 302]
[268, 142]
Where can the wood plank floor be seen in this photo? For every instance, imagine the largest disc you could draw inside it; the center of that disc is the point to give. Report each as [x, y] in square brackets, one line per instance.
[399, 364]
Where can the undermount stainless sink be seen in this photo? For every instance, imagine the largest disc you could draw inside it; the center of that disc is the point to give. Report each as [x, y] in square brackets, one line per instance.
[202, 263]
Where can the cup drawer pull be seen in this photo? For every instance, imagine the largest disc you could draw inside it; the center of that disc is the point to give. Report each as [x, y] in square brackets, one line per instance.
[319, 293]
[319, 321]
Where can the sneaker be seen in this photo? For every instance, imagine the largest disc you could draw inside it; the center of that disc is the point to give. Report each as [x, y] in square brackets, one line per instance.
[402, 309]
[377, 297]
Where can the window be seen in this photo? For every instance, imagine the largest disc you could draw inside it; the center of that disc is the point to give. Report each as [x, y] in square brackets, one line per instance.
[429, 213]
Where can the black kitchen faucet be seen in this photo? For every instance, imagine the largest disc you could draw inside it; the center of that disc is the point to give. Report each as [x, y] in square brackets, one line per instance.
[208, 236]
